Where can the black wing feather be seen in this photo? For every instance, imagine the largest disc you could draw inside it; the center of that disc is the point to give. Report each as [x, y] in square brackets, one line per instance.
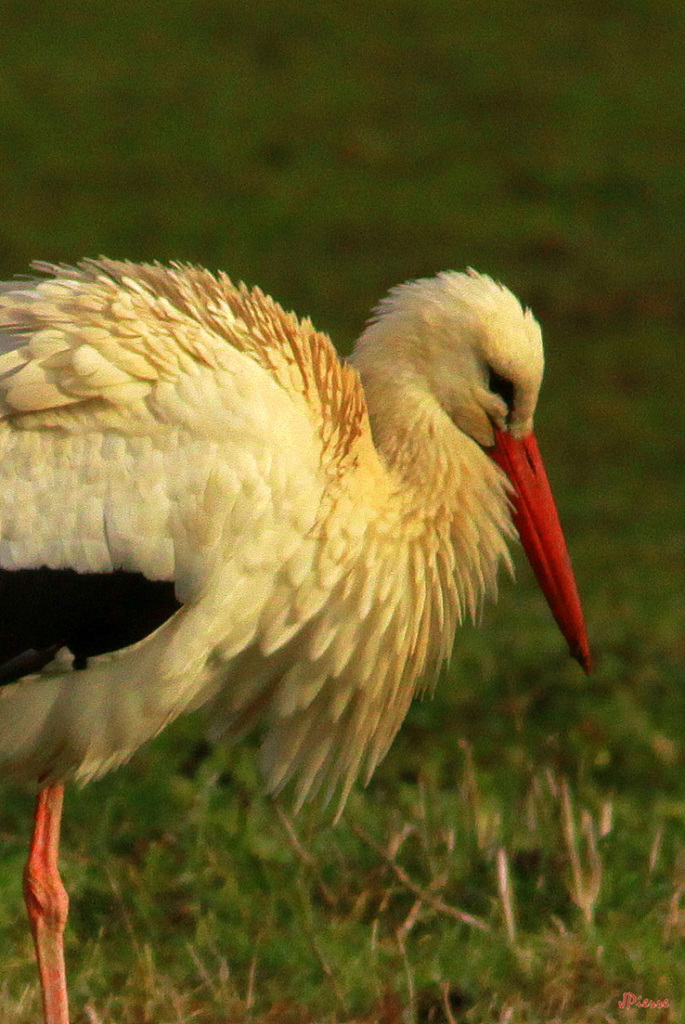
[44, 609]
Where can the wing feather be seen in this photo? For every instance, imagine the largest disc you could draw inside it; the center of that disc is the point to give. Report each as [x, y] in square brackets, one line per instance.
[129, 392]
[159, 420]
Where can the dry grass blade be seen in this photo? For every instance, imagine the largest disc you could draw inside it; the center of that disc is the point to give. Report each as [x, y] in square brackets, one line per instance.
[674, 925]
[303, 853]
[585, 884]
[411, 984]
[423, 894]
[506, 894]
[486, 824]
[655, 850]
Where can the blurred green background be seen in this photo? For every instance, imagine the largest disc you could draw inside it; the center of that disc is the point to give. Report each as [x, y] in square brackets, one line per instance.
[327, 151]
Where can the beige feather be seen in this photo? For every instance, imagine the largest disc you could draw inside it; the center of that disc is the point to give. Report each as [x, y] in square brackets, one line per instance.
[323, 577]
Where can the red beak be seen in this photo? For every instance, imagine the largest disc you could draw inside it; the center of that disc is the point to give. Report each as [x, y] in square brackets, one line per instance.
[537, 521]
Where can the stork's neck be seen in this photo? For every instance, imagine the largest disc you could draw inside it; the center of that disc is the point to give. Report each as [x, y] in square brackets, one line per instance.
[445, 480]
[415, 438]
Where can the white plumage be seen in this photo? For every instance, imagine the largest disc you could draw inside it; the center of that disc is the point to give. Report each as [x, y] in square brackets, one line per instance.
[325, 525]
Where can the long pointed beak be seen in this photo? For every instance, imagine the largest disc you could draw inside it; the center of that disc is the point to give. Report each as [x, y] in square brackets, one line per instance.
[537, 521]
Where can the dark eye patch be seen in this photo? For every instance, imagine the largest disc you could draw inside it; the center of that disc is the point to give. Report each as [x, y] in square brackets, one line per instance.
[503, 387]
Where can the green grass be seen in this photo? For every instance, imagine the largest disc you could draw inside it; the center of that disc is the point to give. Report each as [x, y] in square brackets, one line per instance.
[325, 152]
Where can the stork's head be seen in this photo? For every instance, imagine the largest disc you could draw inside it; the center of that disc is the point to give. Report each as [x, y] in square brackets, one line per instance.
[467, 341]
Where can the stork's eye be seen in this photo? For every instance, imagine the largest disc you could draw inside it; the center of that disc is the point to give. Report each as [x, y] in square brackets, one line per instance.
[502, 387]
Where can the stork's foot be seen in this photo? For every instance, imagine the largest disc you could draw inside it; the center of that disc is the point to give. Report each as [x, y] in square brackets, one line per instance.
[47, 904]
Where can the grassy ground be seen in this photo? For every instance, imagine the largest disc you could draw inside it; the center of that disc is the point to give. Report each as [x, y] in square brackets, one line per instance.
[520, 855]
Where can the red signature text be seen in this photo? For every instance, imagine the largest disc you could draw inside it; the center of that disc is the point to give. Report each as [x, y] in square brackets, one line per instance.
[630, 999]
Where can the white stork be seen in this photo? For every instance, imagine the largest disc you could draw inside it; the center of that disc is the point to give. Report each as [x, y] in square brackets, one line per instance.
[200, 503]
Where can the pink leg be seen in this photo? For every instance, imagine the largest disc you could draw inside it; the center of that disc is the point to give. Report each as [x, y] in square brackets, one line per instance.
[48, 904]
